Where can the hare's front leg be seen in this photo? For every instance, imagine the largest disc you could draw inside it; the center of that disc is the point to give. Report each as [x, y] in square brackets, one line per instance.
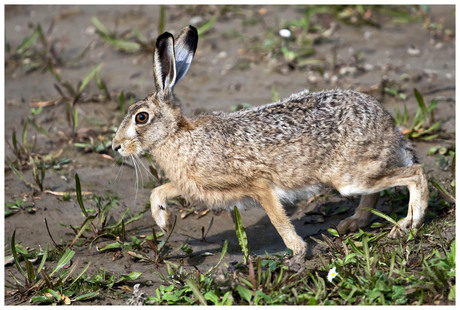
[160, 212]
[275, 211]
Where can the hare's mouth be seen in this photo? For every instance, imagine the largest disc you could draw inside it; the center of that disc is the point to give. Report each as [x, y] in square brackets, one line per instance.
[128, 149]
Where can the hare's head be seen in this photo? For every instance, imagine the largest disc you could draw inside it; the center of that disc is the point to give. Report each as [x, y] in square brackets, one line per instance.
[150, 121]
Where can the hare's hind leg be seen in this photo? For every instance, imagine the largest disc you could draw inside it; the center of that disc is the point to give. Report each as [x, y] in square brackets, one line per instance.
[414, 178]
[275, 211]
[362, 216]
[418, 201]
[160, 212]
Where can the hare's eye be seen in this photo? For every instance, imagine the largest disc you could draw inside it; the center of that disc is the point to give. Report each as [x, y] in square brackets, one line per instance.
[142, 118]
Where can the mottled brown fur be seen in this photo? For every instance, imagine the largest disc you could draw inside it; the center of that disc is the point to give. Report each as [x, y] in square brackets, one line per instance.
[338, 138]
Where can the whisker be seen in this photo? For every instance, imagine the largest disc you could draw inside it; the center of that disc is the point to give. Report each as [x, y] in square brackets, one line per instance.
[140, 170]
[120, 170]
[143, 165]
[136, 159]
[136, 186]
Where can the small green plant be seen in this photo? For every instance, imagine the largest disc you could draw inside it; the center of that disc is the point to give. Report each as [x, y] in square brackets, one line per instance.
[14, 207]
[119, 41]
[423, 126]
[160, 249]
[187, 287]
[101, 144]
[275, 94]
[32, 58]
[241, 235]
[96, 220]
[47, 287]
[372, 271]
[396, 92]
[440, 271]
[23, 149]
[38, 174]
[72, 94]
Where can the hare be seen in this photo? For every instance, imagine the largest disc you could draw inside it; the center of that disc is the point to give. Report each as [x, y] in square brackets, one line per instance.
[264, 155]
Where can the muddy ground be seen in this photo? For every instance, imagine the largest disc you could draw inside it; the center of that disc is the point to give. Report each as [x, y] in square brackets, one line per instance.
[226, 72]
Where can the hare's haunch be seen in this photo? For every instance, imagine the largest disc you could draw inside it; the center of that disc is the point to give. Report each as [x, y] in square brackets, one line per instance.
[339, 138]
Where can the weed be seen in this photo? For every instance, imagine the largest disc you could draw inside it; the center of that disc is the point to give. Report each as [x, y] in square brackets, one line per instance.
[206, 26]
[96, 220]
[397, 92]
[22, 151]
[184, 285]
[423, 126]
[275, 94]
[446, 161]
[46, 287]
[368, 270]
[38, 174]
[32, 58]
[159, 248]
[101, 144]
[37, 53]
[241, 235]
[119, 42]
[72, 94]
[14, 207]
[122, 107]
[161, 20]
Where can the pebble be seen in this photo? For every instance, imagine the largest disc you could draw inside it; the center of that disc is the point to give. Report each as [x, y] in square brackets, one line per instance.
[368, 67]
[347, 70]
[438, 45]
[196, 20]
[367, 35]
[90, 30]
[413, 51]
[222, 55]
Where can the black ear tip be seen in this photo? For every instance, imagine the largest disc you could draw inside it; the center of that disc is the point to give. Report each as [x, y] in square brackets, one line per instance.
[193, 29]
[163, 39]
[191, 37]
[164, 35]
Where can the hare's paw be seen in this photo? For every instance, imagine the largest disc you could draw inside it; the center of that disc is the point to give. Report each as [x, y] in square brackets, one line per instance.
[404, 225]
[351, 224]
[162, 217]
[160, 212]
[297, 263]
[297, 245]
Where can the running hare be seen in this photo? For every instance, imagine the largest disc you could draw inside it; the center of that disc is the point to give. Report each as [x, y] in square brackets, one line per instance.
[338, 138]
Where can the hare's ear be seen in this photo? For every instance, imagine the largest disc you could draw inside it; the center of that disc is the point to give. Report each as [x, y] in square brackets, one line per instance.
[164, 64]
[185, 47]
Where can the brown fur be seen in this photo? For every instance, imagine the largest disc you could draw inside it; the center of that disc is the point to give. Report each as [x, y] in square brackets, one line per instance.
[338, 138]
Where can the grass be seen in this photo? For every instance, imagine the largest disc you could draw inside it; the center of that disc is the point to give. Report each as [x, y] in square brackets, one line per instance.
[297, 48]
[53, 287]
[369, 270]
[133, 41]
[96, 221]
[423, 126]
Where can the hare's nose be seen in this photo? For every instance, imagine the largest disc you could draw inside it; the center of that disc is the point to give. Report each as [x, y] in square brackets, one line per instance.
[116, 147]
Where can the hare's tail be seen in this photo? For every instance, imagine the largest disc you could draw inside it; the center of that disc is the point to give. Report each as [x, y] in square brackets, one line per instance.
[408, 154]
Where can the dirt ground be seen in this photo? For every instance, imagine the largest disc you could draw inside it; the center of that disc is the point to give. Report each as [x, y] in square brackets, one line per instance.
[225, 73]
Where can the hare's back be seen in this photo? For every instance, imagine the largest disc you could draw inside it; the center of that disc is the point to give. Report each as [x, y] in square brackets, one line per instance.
[339, 116]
